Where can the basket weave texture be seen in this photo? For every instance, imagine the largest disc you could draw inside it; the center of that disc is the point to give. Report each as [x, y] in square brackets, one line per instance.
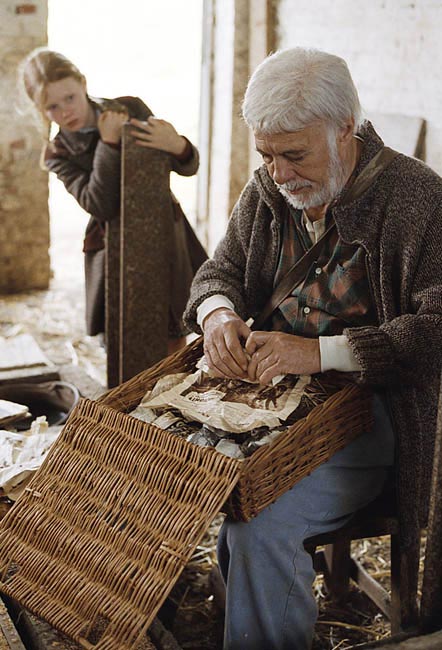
[275, 468]
[107, 524]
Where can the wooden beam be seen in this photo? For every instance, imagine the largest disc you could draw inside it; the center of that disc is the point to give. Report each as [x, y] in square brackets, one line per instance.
[405, 642]
[370, 587]
[9, 637]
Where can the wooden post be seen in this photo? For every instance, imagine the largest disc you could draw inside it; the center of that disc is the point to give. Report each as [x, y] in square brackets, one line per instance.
[138, 269]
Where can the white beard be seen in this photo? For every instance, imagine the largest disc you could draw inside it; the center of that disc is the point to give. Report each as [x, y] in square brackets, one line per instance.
[326, 193]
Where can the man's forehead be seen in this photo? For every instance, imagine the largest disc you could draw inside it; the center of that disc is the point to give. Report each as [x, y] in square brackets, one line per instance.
[290, 141]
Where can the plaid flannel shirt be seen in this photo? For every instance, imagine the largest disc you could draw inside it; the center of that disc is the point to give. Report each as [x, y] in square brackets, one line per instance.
[335, 292]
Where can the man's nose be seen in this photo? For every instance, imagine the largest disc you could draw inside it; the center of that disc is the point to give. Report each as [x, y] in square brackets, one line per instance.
[282, 171]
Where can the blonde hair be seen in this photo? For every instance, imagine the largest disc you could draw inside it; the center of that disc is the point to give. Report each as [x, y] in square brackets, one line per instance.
[42, 67]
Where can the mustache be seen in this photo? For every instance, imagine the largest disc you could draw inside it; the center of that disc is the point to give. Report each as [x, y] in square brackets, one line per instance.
[293, 185]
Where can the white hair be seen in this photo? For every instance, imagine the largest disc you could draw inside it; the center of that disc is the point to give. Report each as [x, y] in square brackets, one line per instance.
[294, 88]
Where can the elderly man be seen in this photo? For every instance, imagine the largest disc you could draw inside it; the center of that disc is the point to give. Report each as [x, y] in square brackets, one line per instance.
[370, 303]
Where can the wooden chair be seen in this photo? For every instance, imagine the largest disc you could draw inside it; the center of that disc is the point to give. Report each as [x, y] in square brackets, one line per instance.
[336, 563]
[380, 518]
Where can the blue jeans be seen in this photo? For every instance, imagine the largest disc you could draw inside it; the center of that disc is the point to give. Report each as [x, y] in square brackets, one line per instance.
[268, 573]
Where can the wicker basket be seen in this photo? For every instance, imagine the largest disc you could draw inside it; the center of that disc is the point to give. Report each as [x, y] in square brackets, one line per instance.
[107, 524]
[275, 468]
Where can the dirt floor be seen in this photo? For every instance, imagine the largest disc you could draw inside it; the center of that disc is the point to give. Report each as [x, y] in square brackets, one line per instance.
[55, 319]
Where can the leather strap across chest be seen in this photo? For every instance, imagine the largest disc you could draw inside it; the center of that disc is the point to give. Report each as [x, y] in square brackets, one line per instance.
[298, 271]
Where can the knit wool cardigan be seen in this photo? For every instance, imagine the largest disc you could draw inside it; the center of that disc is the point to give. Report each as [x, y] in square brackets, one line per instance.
[398, 221]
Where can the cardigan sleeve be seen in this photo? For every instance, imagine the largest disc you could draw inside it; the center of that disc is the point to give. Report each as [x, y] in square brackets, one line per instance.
[405, 347]
[224, 273]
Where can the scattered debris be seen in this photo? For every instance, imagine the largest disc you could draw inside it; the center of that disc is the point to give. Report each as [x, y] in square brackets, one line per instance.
[22, 453]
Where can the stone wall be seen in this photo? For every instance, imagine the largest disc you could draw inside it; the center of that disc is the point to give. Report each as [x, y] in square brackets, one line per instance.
[392, 48]
[24, 218]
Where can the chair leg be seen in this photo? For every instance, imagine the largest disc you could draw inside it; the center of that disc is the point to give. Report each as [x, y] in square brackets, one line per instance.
[217, 587]
[404, 574]
[337, 569]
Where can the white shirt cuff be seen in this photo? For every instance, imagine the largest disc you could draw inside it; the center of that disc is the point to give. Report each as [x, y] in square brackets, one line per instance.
[336, 354]
[210, 304]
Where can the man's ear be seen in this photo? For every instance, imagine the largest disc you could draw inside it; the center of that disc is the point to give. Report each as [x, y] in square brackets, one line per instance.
[345, 133]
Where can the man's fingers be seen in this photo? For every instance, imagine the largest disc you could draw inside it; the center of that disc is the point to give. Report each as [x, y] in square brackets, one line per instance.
[216, 371]
[265, 374]
[258, 363]
[228, 360]
[255, 340]
[251, 370]
[244, 331]
[236, 351]
[141, 133]
[224, 367]
[223, 333]
[143, 128]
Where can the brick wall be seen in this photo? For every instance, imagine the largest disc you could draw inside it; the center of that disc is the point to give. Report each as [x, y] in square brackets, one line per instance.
[24, 219]
[392, 48]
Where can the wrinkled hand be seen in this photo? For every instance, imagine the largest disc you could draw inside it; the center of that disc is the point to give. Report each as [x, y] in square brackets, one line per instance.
[158, 134]
[223, 331]
[110, 126]
[277, 353]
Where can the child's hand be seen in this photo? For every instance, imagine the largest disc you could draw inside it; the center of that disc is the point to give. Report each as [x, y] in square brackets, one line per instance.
[158, 134]
[110, 126]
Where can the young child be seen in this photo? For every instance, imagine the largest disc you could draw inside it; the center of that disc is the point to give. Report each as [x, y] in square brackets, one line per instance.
[86, 156]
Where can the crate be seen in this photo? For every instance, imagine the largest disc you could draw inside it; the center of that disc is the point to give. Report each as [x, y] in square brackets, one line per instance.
[109, 521]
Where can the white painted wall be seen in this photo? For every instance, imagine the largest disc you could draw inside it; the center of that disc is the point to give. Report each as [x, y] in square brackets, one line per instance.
[224, 90]
[393, 49]
[220, 154]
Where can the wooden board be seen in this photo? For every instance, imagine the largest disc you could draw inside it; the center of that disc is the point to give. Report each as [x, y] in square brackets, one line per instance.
[21, 351]
[401, 132]
[22, 359]
[427, 642]
[9, 638]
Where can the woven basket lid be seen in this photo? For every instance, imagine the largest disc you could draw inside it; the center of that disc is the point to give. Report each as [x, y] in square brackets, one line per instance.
[106, 526]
